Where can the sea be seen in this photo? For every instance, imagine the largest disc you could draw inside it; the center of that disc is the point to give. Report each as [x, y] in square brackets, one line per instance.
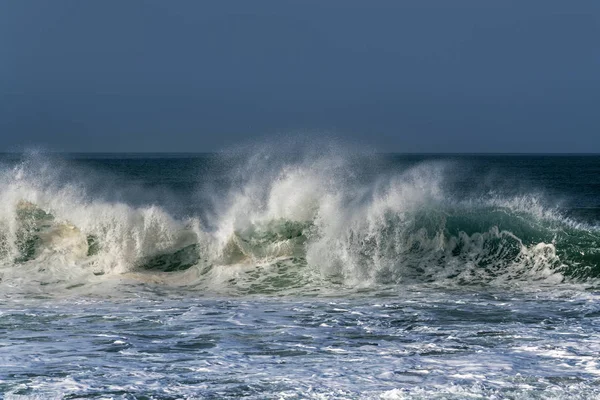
[321, 273]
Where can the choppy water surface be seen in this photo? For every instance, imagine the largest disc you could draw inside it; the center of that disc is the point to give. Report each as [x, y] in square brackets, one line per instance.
[421, 342]
[327, 276]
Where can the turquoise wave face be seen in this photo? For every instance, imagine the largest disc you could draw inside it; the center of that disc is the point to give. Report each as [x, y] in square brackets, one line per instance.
[467, 243]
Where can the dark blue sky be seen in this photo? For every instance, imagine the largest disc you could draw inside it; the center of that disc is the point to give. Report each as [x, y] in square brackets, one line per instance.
[408, 76]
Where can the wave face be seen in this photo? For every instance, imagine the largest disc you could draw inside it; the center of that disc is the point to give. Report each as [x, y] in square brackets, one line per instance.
[276, 222]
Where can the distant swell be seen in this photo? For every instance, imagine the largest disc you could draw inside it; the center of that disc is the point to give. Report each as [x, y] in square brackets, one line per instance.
[285, 226]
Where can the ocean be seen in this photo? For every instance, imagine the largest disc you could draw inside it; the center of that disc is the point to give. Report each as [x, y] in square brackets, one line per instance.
[322, 274]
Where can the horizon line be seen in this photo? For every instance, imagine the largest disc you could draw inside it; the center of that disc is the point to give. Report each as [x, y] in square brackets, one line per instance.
[227, 151]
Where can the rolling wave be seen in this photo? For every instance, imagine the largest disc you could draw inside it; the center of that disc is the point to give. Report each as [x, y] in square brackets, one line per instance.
[300, 224]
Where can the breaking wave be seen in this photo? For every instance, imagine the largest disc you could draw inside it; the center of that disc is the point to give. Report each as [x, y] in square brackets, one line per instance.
[284, 224]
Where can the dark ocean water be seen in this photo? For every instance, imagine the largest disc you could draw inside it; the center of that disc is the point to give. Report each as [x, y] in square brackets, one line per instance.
[292, 275]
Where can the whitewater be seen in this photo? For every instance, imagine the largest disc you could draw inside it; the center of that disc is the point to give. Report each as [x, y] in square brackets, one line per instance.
[290, 274]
